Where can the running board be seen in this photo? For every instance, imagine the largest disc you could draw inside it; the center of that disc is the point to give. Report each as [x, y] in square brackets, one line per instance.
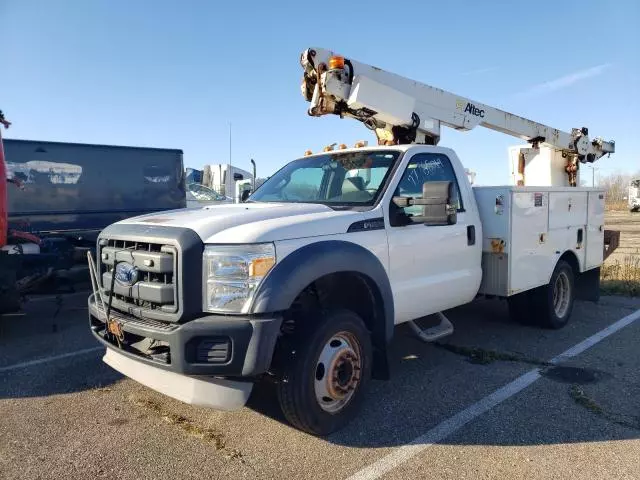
[431, 334]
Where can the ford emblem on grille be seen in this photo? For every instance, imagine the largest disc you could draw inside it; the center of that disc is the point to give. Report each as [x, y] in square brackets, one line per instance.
[126, 274]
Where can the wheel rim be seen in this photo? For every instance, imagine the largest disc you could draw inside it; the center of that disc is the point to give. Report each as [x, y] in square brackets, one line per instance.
[561, 295]
[337, 373]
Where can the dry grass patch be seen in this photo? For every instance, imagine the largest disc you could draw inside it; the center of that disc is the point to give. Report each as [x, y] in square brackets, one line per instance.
[621, 278]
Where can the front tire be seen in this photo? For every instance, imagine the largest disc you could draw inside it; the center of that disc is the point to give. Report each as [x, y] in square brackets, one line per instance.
[325, 372]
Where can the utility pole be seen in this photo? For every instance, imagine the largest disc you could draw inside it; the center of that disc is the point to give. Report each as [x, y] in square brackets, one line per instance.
[253, 182]
[229, 175]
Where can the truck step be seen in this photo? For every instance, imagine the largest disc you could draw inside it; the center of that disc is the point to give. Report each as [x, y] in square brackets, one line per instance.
[431, 334]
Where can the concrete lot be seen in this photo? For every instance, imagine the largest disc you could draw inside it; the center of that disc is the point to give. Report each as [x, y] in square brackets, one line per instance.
[71, 416]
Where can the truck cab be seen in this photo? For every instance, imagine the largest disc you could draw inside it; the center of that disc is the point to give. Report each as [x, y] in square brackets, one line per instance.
[362, 184]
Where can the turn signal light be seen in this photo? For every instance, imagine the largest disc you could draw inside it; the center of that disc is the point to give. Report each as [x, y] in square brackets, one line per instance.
[260, 266]
[307, 153]
[336, 62]
[342, 146]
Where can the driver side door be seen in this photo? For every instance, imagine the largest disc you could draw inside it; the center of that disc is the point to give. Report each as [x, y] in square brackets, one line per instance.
[428, 265]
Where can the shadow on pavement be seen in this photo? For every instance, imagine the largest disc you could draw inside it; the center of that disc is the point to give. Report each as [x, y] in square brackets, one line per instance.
[84, 372]
[430, 384]
[50, 327]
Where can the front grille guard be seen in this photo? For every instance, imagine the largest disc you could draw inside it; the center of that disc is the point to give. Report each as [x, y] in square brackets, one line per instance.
[113, 329]
[101, 305]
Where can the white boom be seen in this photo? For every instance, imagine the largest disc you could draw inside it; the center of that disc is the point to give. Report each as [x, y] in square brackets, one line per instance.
[401, 110]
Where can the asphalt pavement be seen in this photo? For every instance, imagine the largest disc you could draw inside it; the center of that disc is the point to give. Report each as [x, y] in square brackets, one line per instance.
[485, 403]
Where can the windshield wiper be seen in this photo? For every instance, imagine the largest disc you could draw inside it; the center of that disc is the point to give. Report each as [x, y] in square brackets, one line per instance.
[340, 207]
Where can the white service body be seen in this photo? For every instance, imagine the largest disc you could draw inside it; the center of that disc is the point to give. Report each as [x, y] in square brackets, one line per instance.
[527, 229]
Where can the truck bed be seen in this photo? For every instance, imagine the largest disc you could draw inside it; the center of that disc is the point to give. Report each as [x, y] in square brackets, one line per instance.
[525, 230]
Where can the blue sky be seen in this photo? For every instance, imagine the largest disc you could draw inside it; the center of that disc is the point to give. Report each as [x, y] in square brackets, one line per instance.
[174, 74]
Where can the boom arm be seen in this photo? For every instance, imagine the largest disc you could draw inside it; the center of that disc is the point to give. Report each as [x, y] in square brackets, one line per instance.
[401, 110]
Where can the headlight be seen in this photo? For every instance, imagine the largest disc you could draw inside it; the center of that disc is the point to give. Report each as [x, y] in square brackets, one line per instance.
[232, 274]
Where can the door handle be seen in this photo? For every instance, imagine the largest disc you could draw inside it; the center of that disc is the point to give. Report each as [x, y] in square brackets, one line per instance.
[471, 234]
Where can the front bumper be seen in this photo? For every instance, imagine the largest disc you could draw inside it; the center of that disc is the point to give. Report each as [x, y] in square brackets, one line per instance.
[212, 345]
[218, 393]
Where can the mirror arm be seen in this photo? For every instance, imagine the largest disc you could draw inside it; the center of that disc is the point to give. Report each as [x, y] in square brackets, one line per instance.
[426, 201]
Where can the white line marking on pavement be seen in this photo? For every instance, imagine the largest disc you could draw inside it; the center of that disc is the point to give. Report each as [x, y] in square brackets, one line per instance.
[597, 337]
[40, 361]
[459, 420]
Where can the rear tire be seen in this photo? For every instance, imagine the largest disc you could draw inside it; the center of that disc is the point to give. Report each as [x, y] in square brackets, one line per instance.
[325, 369]
[553, 303]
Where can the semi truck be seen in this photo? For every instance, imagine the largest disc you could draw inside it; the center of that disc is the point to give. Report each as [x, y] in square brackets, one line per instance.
[634, 195]
[304, 283]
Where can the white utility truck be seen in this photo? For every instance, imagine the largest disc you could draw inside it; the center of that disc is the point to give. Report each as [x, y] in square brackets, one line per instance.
[634, 195]
[304, 282]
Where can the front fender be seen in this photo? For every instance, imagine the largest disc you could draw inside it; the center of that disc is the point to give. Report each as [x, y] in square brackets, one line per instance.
[311, 262]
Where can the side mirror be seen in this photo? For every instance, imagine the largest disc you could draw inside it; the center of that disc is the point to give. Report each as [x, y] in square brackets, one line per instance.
[437, 204]
[245, 194]
[439, 208]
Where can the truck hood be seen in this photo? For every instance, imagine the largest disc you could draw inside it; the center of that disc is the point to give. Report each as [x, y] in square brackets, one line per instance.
[254, 222]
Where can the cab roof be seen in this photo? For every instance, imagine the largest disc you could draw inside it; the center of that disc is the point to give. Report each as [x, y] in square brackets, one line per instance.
[376, 148]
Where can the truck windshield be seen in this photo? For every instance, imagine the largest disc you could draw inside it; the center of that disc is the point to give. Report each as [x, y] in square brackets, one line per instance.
[350, 179]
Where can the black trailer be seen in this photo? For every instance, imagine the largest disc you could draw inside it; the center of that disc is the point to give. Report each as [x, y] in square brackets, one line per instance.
[75, 190]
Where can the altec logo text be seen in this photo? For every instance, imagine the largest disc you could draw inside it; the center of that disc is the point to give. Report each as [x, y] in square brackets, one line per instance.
[473, 110]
